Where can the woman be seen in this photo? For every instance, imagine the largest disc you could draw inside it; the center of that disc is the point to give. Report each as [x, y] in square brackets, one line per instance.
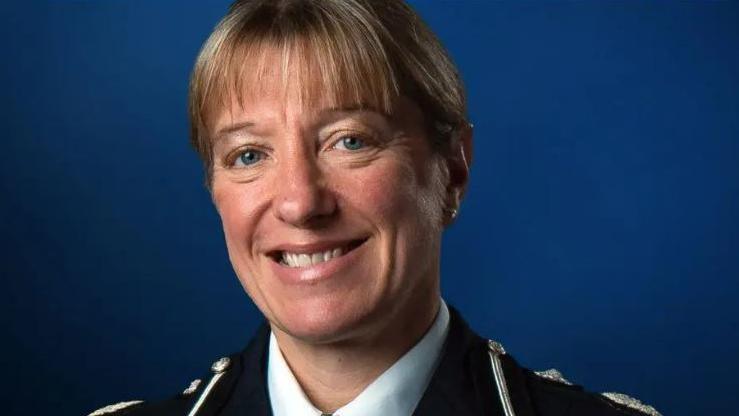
[337, 149]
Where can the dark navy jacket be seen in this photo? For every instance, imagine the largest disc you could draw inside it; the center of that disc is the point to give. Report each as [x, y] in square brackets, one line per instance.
[463, 384]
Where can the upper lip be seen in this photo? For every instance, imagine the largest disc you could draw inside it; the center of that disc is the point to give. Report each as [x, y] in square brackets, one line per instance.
[312, 247]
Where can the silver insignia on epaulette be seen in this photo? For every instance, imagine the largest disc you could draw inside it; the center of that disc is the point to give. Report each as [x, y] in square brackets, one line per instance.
[114, 408]
[632, 403]
[554, 375]
[192, 387]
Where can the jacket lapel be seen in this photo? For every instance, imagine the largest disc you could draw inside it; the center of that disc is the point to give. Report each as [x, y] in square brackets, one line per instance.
[462, 383]
[247, 393]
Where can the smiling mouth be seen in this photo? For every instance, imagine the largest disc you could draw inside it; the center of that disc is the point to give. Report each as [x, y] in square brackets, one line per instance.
[305, 259]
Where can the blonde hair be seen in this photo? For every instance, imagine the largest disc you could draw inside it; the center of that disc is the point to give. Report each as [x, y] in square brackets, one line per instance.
[363, 52]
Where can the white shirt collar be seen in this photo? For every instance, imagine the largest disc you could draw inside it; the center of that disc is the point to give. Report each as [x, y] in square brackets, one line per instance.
[396, 392]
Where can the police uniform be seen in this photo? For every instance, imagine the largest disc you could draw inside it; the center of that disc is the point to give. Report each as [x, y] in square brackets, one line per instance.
[474, 377]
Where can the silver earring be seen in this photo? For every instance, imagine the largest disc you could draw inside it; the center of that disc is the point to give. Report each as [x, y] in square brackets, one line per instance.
[453, 212]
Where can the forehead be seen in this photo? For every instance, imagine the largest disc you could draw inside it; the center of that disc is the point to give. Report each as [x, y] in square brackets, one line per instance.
[294, 77]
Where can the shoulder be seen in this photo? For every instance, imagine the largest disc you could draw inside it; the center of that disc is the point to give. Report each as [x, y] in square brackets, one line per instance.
[178, 404]
[215, 389]
[552, 394]
[499, 381]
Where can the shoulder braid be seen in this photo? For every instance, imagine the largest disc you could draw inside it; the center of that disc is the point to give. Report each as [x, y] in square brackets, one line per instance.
[114, 408]
[611, 397]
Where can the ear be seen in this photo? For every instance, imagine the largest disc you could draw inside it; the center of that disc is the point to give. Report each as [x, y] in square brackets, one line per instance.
[459, 160]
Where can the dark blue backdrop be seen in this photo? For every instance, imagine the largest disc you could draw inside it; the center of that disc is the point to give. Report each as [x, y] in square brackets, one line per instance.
[600, 235]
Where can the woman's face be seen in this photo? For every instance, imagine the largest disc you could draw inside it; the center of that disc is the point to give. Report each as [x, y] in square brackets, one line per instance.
[332, 216]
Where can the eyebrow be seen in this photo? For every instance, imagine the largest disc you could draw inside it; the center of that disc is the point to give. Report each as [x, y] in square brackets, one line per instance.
[223, 132]
[328, 114]
[360, 107]
[232, 128]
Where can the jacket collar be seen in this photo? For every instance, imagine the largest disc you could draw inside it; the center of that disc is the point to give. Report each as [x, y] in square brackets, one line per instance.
[462, 383]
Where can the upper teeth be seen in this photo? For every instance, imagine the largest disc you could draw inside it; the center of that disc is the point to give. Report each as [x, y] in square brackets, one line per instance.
[304, 259]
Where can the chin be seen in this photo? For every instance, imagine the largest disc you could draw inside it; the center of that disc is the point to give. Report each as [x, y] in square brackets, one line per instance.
[320, 321]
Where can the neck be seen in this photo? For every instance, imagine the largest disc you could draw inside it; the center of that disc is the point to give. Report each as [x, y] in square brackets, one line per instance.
[333, 374]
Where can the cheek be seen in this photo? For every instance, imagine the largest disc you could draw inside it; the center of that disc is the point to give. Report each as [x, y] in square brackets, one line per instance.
[399, 194]
[232, 209]
[381, 191]
[237, 208]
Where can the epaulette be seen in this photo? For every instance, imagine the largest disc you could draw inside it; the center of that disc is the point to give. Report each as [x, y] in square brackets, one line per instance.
[618, 399]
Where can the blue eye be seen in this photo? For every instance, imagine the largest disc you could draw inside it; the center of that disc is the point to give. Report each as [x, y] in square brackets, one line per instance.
[249, 157]
[351, 143]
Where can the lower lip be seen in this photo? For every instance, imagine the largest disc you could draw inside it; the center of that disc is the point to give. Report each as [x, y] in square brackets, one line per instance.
[318, 272]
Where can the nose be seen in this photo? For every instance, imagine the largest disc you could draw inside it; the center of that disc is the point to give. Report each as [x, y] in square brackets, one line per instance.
[302, 196]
